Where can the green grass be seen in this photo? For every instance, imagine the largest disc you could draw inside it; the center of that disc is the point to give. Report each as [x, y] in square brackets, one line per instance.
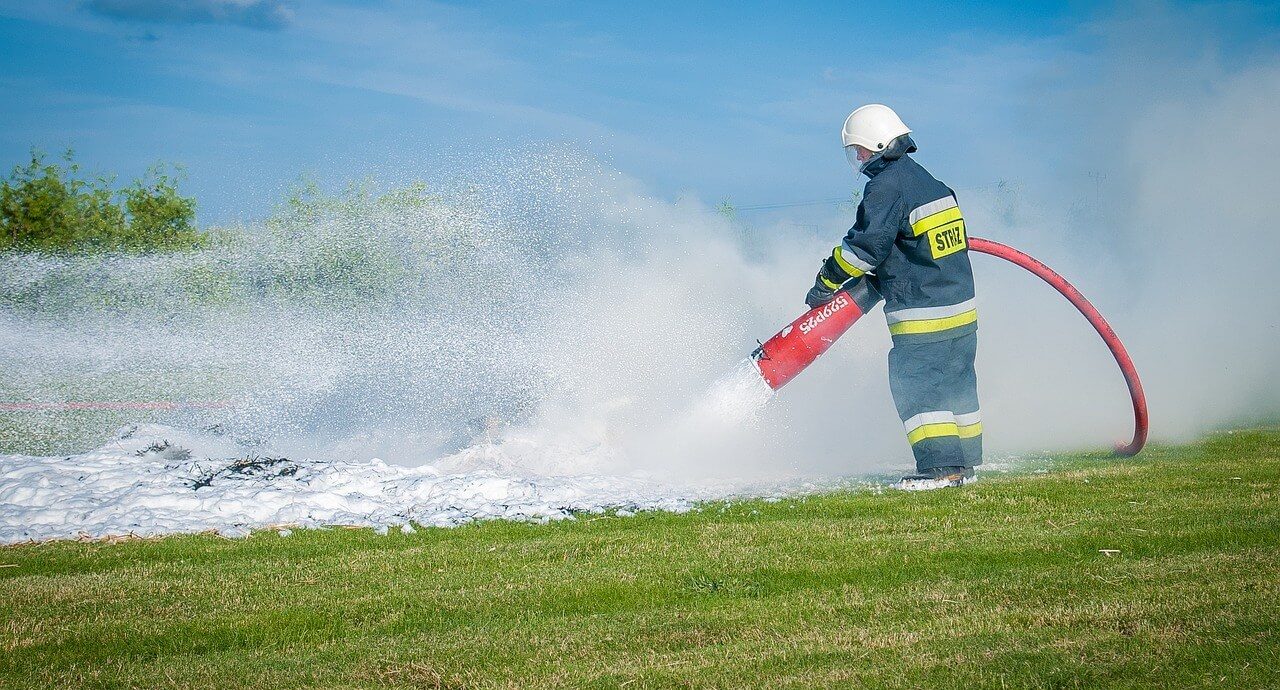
[1001, 584]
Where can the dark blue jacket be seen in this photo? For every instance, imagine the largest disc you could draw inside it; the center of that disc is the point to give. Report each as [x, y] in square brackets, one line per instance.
[909, 240]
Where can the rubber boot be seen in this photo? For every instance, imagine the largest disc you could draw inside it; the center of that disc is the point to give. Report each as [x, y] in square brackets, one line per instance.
[937, 478]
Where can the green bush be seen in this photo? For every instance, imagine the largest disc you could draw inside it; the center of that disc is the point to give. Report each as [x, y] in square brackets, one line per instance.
[307, 205]
[160, 217]
[53, 207]
[358, 245]
[347, 247]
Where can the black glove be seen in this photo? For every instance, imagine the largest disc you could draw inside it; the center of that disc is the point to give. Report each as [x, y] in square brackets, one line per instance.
[819, 294]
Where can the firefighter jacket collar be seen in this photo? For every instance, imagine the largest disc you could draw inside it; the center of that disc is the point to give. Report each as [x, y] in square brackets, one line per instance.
[896, 149]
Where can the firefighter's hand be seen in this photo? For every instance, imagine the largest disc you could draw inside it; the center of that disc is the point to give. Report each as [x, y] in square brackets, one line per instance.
[819, 294]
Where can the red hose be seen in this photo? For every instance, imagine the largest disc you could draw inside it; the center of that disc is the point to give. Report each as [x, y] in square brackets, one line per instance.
[1099, 324]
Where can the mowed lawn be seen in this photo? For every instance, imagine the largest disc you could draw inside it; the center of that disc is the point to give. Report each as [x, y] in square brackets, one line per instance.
[1162, 571]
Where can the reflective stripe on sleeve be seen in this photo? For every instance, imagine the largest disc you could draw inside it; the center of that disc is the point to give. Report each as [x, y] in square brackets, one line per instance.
[828, 283]
[933, 215]
[849, 261]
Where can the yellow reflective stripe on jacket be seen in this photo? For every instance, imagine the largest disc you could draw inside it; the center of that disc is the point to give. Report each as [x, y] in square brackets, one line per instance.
[933, 325]
[853, 271]
[924, 210]
[933, 215]
[935, 221]
[970, 431]
[828, 283]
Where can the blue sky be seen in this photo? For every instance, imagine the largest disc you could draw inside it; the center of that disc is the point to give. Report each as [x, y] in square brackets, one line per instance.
[723, 100]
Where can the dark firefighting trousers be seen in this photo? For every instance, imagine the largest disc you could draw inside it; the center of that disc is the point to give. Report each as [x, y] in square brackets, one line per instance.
[935, 389]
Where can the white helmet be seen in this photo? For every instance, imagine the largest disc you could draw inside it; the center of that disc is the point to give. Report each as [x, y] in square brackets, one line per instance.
[872, 127]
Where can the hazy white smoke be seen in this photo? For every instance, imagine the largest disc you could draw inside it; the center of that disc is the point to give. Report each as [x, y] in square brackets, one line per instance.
[1204, 226]
[1162, 217]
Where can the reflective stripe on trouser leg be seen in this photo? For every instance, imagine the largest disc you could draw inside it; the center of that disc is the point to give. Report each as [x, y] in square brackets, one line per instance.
[969, 428]
[934, 387]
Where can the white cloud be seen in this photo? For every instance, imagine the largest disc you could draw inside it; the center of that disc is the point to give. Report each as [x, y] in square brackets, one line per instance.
[253, 14]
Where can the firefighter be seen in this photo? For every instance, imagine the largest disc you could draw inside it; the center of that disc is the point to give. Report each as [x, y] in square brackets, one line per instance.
[909, 243]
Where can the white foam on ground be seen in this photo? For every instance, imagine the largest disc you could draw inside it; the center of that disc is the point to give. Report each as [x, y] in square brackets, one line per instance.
[155, 480]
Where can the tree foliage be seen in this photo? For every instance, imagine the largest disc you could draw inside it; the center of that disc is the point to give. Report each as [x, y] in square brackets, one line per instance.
[352, 245]
[54, 207]
[307, 205]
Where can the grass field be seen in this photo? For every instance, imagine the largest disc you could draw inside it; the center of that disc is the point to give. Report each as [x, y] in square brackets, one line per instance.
[1158, 572]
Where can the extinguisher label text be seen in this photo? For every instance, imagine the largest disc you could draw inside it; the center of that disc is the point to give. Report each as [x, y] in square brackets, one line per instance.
[840, 302]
